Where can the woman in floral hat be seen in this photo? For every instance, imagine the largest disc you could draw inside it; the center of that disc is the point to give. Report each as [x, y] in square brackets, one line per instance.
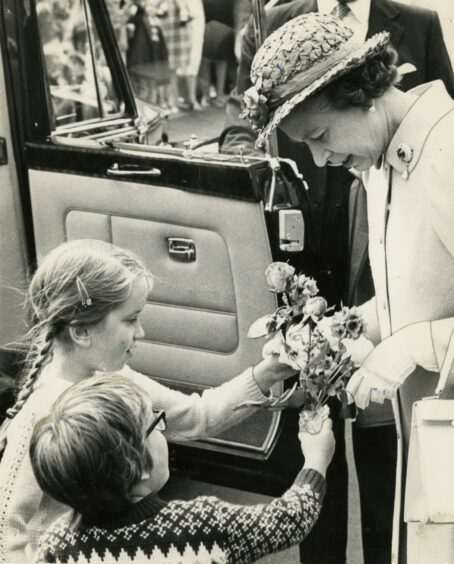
[314, 79]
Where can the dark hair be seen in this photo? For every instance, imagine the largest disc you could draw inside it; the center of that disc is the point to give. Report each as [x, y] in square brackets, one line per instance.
[361, 85]
[90, 451]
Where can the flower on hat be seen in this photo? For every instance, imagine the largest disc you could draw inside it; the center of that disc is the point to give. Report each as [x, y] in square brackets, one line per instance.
[296, 61]
[255, 107]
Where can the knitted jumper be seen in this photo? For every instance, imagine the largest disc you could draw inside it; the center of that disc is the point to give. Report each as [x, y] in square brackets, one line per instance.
[200, 531]
[26, 512]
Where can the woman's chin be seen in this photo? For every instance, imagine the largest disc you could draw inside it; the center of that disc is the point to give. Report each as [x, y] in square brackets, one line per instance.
[362, 165]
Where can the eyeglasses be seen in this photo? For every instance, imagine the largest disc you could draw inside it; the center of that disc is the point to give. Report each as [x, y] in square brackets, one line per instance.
[159, 422]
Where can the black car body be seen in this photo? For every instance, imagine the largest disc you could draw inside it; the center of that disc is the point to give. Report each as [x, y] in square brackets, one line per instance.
[76, 162]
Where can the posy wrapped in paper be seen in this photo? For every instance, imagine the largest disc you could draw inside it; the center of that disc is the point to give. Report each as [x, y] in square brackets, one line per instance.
[323, 346]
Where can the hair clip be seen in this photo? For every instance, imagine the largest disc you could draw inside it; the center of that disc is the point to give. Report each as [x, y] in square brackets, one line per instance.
[85, 299]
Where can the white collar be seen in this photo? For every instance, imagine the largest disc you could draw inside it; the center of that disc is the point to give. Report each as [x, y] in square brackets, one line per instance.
[359, 8]
[431, 104]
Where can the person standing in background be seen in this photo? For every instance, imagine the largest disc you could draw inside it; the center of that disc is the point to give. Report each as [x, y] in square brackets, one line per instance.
[196, 28]
[173, 19]
[146, 57]
[339, 205]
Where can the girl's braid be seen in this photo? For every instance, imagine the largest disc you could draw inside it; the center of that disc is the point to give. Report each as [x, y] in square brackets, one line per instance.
[39, 358]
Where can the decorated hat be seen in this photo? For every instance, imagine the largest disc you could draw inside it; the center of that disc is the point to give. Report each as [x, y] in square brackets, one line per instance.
[297, 60]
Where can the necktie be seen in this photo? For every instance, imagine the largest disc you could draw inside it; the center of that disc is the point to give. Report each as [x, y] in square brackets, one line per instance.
[341, 10]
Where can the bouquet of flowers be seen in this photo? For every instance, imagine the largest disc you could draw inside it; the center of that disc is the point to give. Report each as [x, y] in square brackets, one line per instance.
[324, 349]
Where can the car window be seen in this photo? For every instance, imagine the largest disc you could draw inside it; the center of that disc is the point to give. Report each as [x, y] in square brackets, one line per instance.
[181, 57]
[80, 82]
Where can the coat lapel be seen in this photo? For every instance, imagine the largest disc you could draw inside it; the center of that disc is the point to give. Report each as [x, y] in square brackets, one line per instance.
[383, 17]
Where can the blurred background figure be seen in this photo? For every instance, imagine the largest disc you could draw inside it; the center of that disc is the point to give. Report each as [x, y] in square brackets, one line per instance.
[189, 74]
[173, 17]
[146, 56]
[119, 13]
[218, 51]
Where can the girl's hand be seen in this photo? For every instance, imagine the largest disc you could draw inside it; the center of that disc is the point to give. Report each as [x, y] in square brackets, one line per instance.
[270, 370]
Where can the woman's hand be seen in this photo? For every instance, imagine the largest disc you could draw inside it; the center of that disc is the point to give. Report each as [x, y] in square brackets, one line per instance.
[390, 362]
[270, 370]
[318, 449]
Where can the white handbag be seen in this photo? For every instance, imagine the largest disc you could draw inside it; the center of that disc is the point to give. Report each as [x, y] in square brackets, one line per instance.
[429, 491]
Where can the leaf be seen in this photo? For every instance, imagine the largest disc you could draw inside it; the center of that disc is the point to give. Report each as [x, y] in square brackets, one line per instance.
[259, 327]
[272, 403]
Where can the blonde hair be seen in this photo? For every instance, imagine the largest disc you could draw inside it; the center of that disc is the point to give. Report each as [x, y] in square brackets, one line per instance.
[77, 284]
[90, 451]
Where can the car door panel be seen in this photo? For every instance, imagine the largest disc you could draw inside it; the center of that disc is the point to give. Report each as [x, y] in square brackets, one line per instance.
[199, 312]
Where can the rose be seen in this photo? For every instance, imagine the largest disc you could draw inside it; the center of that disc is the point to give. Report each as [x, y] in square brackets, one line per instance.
[315, 307]
[279, 275]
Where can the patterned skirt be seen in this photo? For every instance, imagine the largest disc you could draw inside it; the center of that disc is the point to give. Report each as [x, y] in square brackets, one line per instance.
[176, 33]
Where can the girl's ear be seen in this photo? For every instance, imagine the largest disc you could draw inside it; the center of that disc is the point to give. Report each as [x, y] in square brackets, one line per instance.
[80, 336]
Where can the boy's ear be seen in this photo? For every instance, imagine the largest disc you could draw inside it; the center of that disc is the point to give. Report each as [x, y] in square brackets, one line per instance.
[80, 336]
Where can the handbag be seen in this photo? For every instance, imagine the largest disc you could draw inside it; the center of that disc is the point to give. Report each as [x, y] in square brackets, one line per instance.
[429, 492]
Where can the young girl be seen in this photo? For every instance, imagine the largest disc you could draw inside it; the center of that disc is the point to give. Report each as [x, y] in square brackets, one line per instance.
[84, 302]
[105, 428]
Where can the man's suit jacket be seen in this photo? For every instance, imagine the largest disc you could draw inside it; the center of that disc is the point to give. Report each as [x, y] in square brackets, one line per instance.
[417, 36]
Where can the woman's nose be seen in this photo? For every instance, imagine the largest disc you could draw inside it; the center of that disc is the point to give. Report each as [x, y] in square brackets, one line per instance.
[319, 154]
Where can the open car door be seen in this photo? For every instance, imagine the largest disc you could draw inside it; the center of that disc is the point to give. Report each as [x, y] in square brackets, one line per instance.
[84, 169]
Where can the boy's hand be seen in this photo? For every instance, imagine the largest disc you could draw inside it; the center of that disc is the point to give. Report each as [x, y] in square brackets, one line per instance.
[318, 449]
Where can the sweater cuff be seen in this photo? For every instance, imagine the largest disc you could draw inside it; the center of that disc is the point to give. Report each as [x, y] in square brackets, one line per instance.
[313, 479]
[253, 391]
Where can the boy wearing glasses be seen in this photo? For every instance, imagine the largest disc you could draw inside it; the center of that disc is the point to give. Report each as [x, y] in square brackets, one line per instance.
[102, 451]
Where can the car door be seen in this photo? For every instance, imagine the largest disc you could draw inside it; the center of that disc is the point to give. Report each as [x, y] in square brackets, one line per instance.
[84, 169]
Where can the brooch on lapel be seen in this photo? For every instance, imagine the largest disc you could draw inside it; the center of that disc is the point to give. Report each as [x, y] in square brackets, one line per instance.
[405, 154]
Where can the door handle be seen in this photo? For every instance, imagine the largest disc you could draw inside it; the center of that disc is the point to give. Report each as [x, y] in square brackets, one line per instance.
[132, 170]
[182, 250]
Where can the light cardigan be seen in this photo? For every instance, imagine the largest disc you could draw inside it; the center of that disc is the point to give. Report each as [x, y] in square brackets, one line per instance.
[26, 512]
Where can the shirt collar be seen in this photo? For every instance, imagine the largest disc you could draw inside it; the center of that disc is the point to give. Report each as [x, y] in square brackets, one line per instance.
[432, 102]
[359, 8]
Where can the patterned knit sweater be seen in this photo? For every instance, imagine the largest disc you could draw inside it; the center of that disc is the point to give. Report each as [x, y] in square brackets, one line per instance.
[204, 530]
[26, 512]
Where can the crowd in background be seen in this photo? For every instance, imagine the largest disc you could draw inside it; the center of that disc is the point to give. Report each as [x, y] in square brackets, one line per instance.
[180, 54]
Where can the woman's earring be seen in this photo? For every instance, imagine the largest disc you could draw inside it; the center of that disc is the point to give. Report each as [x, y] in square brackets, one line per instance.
[371, 108]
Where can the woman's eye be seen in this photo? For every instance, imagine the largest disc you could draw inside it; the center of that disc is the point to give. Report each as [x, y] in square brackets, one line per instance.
[319, 137]
[133, 320]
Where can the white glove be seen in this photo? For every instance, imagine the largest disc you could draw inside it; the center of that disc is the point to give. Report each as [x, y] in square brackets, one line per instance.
[390, 362]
